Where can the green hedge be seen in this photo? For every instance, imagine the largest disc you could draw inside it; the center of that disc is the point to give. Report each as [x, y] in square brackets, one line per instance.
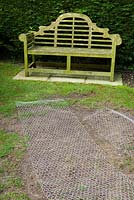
[21, 16]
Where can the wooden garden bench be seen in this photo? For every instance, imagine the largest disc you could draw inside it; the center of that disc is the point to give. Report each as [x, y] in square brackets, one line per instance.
[71, 35]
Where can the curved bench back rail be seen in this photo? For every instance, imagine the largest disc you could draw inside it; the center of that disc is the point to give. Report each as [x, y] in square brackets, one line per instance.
[75, 30]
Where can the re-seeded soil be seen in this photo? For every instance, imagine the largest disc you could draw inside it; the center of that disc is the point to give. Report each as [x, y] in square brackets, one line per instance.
[31, 185]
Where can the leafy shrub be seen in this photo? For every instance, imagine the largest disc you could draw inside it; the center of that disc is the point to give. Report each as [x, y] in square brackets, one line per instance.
[21, 16]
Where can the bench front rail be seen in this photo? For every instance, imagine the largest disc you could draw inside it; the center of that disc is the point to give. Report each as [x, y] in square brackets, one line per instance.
[72, 34]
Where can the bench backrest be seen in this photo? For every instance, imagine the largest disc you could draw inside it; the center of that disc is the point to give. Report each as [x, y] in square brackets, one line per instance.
[76, 31]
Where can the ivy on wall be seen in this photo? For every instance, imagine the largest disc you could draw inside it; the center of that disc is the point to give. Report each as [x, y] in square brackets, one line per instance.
[21, 16]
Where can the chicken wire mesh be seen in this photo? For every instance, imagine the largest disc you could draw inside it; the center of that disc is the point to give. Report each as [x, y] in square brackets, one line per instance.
[69, 165]
[114, 127]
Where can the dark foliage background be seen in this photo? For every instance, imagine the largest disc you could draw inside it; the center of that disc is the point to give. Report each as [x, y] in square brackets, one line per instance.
[21, 16]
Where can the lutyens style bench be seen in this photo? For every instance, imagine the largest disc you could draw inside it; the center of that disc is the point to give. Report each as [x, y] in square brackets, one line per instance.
[71, 35]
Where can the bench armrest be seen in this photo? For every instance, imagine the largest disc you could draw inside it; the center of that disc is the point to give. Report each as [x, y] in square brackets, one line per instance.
[26, 37]
[116, 38]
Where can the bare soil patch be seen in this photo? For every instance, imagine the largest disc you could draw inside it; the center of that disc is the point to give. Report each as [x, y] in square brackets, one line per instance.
[31, 185]
[128, 78]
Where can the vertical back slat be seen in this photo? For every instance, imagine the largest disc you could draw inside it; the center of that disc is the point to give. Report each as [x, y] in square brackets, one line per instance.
[55, 37]
[89, 37]
[73, 32]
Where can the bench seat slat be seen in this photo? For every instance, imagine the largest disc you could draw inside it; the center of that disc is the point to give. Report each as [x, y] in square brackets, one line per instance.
[40, 50]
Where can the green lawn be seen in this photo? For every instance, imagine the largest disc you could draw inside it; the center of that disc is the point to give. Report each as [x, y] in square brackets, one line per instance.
[95, 96]
[12, 146]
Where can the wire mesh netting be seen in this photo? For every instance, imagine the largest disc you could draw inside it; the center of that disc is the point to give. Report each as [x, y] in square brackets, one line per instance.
[68, 163]
[114, 127]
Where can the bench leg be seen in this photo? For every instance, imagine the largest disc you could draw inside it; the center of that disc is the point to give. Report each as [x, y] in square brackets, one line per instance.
[112, 64]
[112, 69]
[33, 61]
[68, 63]
[26, 64]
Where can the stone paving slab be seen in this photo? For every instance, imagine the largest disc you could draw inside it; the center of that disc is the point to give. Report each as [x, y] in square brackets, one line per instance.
[118, 79]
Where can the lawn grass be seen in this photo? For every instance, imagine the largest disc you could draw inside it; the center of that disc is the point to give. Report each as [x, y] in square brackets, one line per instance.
[7, 143]
[12, 146]
[95, 96]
